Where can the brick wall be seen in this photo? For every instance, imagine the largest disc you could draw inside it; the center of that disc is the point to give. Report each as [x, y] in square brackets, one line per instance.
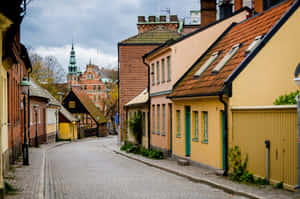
[41, 121]
[133, 74]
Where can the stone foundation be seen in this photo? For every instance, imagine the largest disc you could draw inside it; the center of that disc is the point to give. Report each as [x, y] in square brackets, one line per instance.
[5, 162]
[166, 152]
[51, 137]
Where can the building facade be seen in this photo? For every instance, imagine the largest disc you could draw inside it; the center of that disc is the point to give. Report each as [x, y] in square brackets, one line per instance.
[90, 81]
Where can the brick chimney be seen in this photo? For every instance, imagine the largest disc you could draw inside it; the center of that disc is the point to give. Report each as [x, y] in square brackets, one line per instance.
[225, 9]
[143, 25]
[208, 12]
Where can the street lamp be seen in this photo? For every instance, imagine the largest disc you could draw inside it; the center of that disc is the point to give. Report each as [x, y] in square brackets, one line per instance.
[79, 117]
[25, 84]
[35, 106]
[98, 134]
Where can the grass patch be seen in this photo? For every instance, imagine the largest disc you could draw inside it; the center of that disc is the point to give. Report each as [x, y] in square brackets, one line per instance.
[9, 189]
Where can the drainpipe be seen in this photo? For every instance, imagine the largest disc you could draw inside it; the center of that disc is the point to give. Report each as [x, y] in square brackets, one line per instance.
[225, 132]
[267, 142]
[149, 104]
[298, 141]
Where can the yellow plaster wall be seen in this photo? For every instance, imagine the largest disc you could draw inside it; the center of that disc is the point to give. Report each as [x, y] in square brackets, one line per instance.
[271, 73]
[68, 130]
[205, 153]
[3, 101]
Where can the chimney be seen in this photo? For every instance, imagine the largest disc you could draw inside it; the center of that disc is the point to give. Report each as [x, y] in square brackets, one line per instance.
[162, 18]
[141, 19]
[151, 18]
[225, 9]
[208, 12]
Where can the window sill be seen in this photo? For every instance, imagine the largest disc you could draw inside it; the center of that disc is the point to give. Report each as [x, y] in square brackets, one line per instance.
[195, 139]
[178, 135]
[204, 141]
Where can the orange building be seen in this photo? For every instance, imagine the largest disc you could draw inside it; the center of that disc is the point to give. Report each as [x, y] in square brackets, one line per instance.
[90, 80]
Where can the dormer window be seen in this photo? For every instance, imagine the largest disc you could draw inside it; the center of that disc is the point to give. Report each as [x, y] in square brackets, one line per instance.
[226, 58]
[255, 43]
[207, 64]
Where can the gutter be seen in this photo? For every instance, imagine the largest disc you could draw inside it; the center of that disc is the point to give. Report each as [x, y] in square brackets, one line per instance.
[225, 132]
[149, 103]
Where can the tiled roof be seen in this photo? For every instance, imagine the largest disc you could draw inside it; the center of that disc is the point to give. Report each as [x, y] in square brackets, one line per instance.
[243, 33]
[89, 105]
[67, 114]
[37, 91]
[157, 35]
[142, 98]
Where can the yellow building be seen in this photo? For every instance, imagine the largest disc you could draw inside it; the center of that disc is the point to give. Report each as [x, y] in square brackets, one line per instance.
[132, 108]
[226, 98]
[67, 125]
[4, 24]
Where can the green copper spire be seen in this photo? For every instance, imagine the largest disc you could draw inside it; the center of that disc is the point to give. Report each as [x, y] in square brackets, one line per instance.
[72, 64]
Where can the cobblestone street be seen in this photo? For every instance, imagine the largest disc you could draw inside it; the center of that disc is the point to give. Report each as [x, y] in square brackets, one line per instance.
[90, 169]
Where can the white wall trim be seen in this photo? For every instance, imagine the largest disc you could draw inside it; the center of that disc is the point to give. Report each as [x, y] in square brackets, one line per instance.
[263, 107]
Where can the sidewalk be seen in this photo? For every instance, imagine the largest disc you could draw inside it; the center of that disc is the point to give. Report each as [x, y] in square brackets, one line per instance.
[29, 180]
[206, 176]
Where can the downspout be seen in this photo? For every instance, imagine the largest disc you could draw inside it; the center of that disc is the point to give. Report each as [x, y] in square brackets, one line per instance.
[225, 131]
[149, 104]
[298, 142]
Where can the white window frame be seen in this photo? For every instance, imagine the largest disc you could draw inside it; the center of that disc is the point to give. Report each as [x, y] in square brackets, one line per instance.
[207, 64]
[255, 43]
[226, 58]
[169, 68]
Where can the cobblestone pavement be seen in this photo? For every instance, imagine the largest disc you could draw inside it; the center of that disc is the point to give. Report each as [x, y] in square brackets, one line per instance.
[27, 178]
[90, 169]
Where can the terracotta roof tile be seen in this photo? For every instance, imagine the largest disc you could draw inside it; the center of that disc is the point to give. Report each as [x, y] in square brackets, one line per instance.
[89, 105]
[243, 33]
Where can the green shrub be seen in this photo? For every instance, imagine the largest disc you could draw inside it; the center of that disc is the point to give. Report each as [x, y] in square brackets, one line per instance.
[287, 99]
[136, 126]
[261, 181]
[279, 185]
[238, 167]
[155, 154]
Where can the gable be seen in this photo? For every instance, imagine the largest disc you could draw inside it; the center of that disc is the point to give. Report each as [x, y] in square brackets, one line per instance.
[271, 72]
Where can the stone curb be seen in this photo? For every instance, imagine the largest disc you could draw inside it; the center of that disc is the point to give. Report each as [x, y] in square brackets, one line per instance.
[225, 188]
[41, 194]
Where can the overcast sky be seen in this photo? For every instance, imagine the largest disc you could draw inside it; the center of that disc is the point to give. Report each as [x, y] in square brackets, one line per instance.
[96, 26]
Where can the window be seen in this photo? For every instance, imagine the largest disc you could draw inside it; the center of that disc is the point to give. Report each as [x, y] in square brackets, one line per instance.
[99, 88]
[157, 73]
[94, 87]
[247, 3]
[255, 43]
[269, 3]
[169, 68]
[205, 126]
[207, 64]
[144, 123]
[31, 116]
[85, 87]
[153, 119]
[153, 76]
[163, 72]
[92, 76]
[226, 58]
[88, 76]
[158, 119]
[99, 97]
[178, 125]
[196, 125]
[94, 98]
[72, 104]
[163, 119]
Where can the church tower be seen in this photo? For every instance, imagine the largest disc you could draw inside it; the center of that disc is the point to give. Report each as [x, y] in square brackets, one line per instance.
[73, 73]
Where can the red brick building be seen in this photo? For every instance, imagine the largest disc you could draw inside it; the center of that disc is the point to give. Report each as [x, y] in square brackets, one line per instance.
[133, 73]
[89, 81]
